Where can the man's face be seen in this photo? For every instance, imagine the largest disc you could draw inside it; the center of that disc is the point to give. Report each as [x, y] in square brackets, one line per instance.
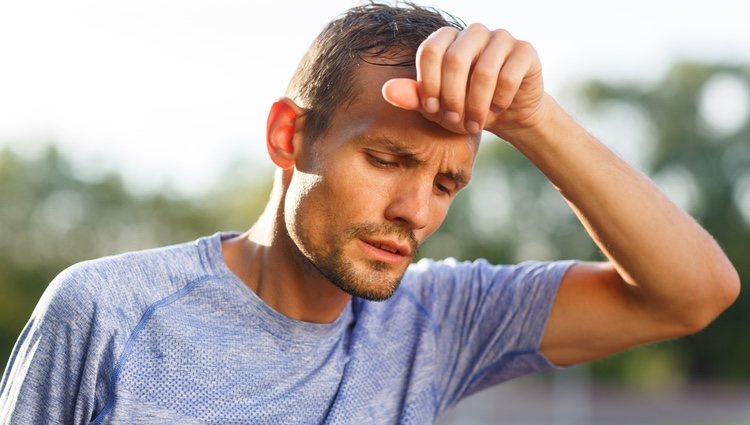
[365, 195]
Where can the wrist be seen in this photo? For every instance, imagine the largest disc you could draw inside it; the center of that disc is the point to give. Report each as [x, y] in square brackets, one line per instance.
[552, 136]
[534, 126]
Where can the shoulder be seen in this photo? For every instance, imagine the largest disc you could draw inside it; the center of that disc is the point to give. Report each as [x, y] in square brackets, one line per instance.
[450, 279]
[62, 365]
[480, 271]
[121, 285]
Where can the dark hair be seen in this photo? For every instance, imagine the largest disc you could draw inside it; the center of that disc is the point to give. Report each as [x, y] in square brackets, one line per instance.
[374, 33]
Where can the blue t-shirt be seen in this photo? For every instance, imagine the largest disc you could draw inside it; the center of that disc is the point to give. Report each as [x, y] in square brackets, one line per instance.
[171, 335]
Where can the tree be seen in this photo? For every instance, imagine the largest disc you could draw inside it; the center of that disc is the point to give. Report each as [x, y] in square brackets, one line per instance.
[699, 155]
[50, 219]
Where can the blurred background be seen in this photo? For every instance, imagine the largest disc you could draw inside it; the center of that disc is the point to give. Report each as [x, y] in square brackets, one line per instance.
[127, 125]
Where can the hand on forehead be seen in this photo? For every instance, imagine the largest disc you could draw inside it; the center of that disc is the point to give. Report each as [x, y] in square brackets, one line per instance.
[471, 80]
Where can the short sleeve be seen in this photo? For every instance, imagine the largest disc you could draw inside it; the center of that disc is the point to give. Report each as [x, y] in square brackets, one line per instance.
[52, 372]
[490, 320]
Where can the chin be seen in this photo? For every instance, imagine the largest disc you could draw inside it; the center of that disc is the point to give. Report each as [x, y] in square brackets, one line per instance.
[372, 294]
[376, 284]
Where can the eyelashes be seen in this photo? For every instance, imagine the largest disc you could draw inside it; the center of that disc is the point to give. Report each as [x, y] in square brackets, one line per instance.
[380, 162]
[383, 163]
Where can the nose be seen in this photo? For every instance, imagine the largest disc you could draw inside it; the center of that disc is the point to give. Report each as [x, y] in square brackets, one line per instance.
[411, 204]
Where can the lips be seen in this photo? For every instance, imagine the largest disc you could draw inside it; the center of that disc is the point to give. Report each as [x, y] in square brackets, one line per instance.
[388, 245]
[386, 251]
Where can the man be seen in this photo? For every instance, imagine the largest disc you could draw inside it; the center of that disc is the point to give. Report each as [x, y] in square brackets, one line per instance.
[315, 314]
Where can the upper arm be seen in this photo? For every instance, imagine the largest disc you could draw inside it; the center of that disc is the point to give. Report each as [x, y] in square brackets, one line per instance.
[488, 320]
[596, 313]
[50, 375]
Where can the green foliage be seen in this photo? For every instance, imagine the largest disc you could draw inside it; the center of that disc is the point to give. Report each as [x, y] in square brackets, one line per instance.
[512, 213]
[50, 218]
[714, 162]
[509, 213]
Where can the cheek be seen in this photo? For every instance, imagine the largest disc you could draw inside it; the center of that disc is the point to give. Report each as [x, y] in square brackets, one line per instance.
[438, 214]
[301, 199]
[302, 187]
[315, 202]
[360, 192]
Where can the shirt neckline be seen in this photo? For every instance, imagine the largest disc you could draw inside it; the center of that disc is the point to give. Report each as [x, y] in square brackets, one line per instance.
[279, 324]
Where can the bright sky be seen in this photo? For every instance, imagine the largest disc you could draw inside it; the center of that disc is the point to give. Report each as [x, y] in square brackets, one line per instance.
[173, 91]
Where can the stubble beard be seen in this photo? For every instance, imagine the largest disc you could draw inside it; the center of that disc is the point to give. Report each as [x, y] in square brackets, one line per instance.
[374, 283]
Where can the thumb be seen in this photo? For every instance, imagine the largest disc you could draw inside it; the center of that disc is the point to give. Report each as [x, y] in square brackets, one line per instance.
[402, 93]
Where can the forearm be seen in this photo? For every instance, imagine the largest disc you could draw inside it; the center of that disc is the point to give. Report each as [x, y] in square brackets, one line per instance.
[668, 260]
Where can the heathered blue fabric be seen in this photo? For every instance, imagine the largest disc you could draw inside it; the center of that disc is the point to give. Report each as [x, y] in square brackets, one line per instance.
[172, 336]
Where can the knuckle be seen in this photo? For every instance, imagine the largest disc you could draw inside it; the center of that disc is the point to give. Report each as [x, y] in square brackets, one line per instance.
[505, 80]
[452, 101]
[474, 112]
[483, 77]
[452, 59]
[428, 52]
[429, 88]
[525, 46]
[501, 102]
[502, 34]
[448, 29]
[476, 27]
[444, 33]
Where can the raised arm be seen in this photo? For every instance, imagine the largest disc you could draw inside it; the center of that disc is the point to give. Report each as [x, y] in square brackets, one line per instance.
[666, 276]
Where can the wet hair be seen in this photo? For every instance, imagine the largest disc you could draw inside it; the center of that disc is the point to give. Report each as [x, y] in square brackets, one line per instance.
[376, 33]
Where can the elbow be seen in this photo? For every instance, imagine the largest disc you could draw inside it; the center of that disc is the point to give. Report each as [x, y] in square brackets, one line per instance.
[728, 289]
[713, 299]
[731, 288]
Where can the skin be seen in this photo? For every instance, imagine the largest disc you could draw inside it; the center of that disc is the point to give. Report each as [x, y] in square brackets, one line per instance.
[380, 168]
[666, 276]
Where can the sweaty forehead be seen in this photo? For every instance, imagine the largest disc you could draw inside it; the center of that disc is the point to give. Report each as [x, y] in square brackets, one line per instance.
[369, 77]
[369, 122]
[369, 108]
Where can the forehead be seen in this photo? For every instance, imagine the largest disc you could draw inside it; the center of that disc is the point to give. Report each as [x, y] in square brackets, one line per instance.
[369, 116]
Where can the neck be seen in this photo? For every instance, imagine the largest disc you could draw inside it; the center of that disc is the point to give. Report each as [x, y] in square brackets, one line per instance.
[271, 265]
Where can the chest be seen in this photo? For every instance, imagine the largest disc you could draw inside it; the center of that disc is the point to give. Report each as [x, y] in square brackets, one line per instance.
[368, 373]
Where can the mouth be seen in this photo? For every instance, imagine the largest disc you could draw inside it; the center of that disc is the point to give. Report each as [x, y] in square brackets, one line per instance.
[387, 251]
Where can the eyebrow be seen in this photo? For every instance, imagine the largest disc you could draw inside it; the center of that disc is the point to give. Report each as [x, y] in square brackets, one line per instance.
[401, 150]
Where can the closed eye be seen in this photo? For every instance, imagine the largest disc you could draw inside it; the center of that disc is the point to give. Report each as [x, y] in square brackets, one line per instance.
[443, 189]
[380, 162]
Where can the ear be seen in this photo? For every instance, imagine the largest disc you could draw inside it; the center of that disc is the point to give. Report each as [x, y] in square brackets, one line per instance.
[284, 132]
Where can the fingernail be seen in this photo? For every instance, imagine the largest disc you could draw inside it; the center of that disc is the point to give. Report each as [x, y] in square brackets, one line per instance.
[452, 117]
[473, 127]
[432, 105]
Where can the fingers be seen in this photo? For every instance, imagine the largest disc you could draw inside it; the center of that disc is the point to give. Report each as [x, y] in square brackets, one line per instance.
[511, 76]
[464, 76]
[429, 66]
[456, 67]
[484, 79]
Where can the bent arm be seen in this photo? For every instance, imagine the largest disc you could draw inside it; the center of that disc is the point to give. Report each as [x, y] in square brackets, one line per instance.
[667, 277]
